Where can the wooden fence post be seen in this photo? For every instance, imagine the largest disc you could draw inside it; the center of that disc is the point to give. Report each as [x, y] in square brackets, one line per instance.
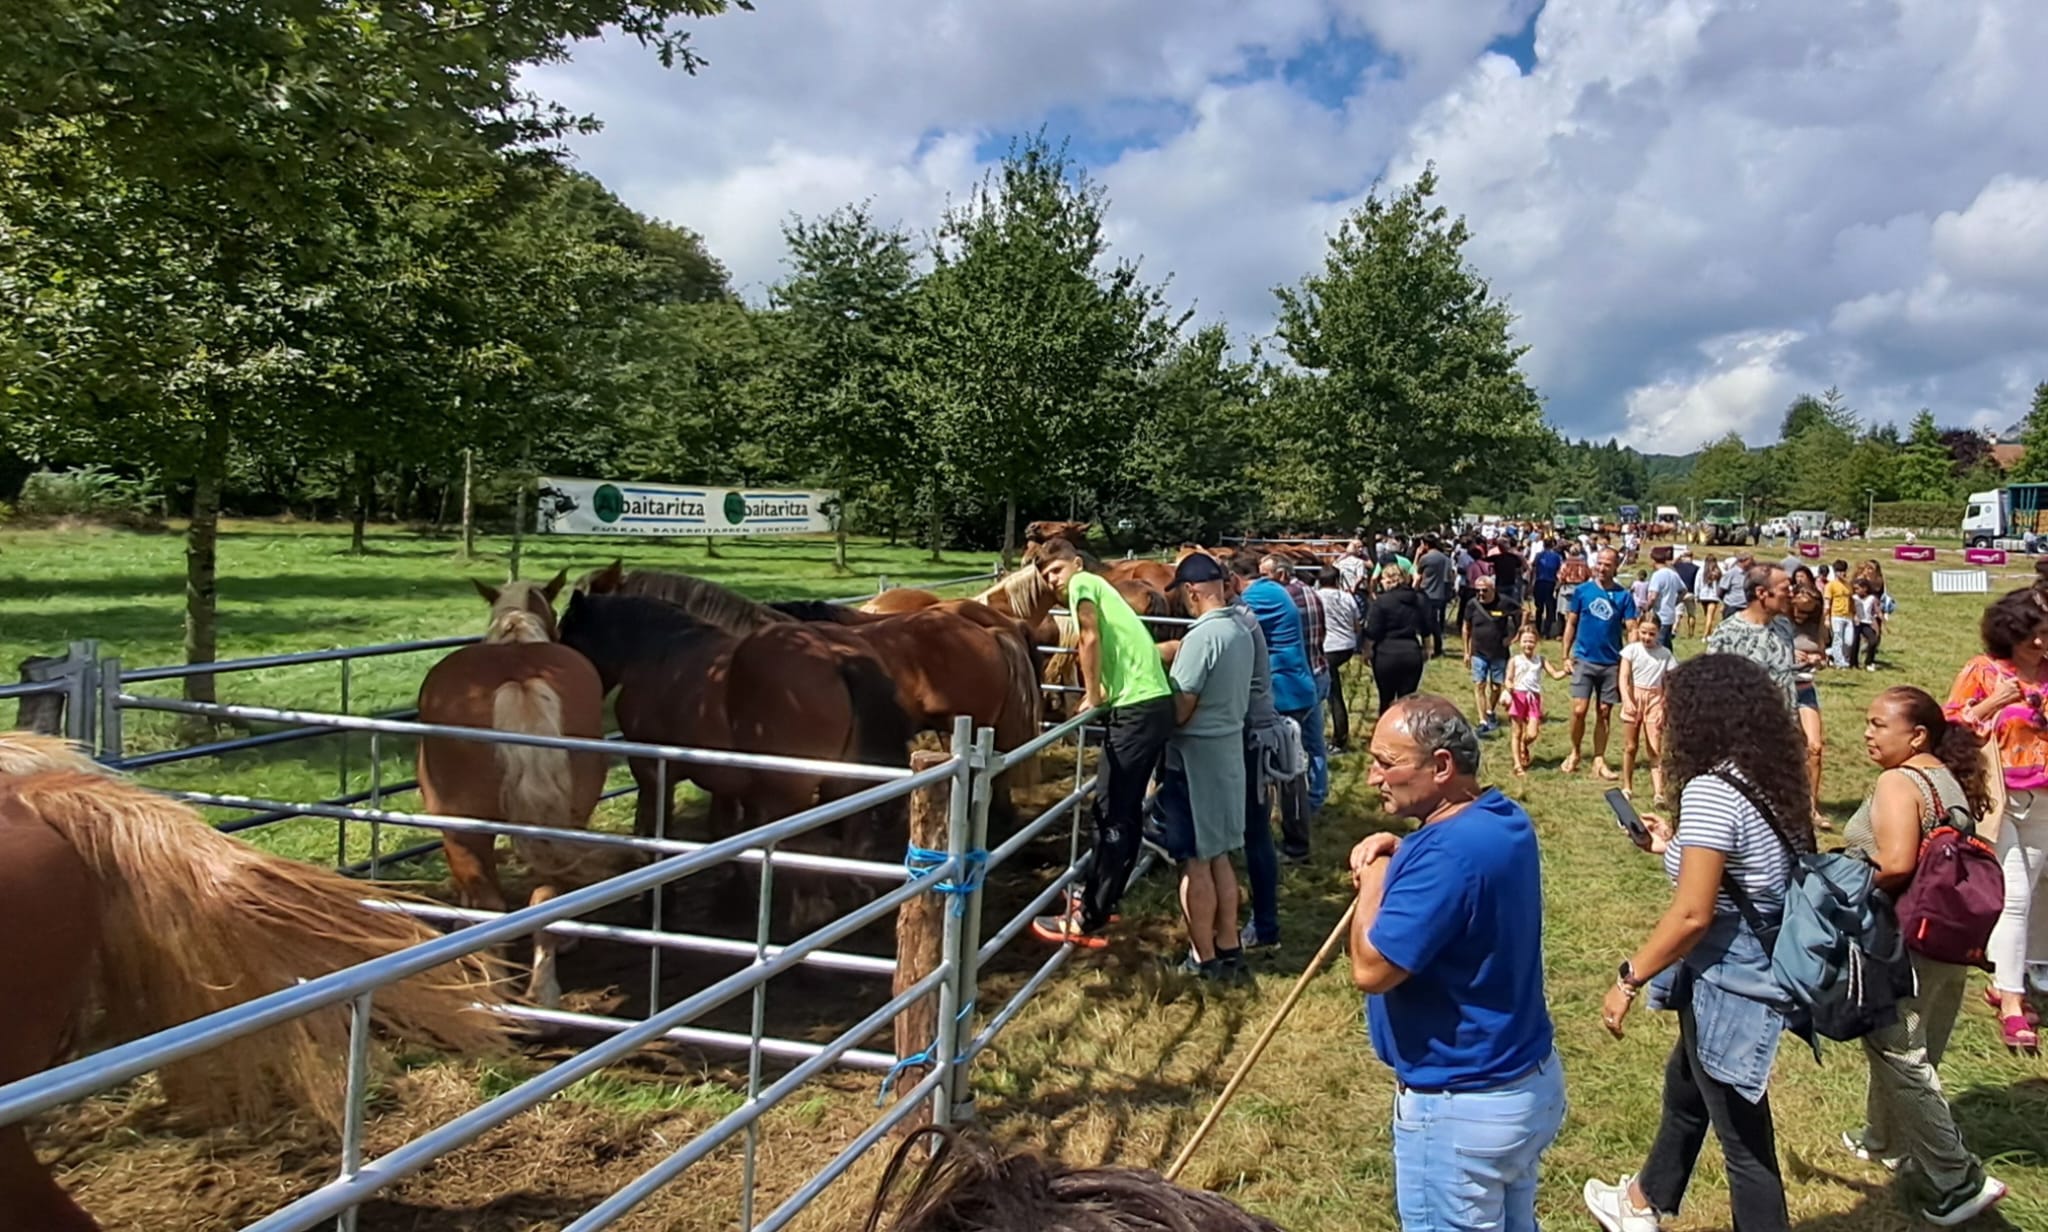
[42, 713]
[920, 936]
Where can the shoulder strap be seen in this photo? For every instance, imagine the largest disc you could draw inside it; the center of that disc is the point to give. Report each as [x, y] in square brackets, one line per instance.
[1743, 902]
[1930, 795]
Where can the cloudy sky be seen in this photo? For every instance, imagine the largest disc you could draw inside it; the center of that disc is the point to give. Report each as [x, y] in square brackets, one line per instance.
[1698, 207]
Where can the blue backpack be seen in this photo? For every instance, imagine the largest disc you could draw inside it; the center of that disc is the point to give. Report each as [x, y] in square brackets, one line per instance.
[1838, 951]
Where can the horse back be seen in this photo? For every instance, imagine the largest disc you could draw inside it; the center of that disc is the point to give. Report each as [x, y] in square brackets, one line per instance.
[48, 915]
[461, 688]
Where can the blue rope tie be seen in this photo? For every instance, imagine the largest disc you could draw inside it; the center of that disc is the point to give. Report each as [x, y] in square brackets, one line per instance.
[915, 1059]
[918, 861]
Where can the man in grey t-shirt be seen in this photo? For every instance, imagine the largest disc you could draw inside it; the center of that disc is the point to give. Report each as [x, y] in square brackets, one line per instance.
[1202, 791]
[1435, 577]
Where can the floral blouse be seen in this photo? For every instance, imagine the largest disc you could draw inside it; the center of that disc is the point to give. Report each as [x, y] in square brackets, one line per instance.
[2020, 730]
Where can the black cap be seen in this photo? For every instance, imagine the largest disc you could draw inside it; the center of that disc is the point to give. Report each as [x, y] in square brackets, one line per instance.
[1197, 567]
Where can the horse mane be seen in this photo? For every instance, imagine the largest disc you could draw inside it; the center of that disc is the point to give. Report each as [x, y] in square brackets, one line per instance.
[968, 1185]
[26, 752]
[641, 623]
[1023, 588]
[512, 617]
[705, 601]
[814, 611]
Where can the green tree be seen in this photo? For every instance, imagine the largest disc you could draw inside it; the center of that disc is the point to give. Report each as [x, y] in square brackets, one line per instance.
[1030, 343]
[1925, 471]
[193, 191]
[1191, 471]
[1417, 401]
[846, 318]
[2033, 464]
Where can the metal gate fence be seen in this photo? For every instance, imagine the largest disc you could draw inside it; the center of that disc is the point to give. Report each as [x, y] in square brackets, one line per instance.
[98, 695]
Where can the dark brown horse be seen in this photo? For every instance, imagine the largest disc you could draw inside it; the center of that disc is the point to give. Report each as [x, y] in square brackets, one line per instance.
[955, 658]
[787, 688]
[518, 679]
[126, 913]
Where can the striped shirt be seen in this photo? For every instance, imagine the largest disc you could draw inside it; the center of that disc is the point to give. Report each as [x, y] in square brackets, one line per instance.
[1312, 625]
[1715, 816]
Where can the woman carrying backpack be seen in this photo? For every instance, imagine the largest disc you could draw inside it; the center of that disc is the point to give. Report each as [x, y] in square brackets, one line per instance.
[1733, 750]
[2000, 695]
[1927, 766]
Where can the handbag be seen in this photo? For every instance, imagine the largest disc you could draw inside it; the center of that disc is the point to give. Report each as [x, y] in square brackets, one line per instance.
[1958, 888]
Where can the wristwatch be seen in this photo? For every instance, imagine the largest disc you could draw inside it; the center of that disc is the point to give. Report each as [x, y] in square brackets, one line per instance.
[1626, 977]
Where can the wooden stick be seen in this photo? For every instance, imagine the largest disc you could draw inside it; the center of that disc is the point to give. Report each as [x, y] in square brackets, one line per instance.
[1315, 964]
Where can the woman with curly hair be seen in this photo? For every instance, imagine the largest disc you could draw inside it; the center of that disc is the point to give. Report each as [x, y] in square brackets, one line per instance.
[1810, 645]
[1927, 766]
[2000, 695]
[1744, 813]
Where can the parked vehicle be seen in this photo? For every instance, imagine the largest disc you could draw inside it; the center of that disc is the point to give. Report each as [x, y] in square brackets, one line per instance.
[2013, 512]
[1568, 515]
[1722, 522]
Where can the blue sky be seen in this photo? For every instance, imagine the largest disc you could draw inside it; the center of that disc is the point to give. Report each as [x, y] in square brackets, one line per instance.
[1697, 209]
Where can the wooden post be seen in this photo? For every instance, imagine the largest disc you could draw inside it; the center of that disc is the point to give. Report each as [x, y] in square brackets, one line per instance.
[42, 713]
[468, 505]
[920, 933]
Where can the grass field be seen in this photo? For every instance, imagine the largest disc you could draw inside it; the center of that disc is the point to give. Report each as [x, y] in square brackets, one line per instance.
[1116, 1061]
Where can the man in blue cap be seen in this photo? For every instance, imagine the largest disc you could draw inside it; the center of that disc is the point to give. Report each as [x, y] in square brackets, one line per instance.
[1202, 792]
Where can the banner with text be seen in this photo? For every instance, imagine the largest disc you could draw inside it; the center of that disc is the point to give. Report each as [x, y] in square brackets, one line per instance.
[607, 507]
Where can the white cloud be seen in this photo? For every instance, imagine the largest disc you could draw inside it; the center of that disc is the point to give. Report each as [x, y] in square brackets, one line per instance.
[1697, 207]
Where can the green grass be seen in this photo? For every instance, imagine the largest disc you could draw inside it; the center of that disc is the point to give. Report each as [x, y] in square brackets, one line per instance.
[1116, 1060]
[288, 587]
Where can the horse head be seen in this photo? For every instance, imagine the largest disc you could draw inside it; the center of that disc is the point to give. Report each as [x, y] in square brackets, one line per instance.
[522, 611]
[609, 580]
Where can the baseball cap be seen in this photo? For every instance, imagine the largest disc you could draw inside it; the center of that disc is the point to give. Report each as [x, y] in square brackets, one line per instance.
[1197, 567]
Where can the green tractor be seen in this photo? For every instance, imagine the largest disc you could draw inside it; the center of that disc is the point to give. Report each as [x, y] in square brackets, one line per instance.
[1568, 515]
[1722, 523]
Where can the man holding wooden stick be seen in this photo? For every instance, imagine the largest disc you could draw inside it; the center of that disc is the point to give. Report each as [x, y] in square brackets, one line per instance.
[1447, 941]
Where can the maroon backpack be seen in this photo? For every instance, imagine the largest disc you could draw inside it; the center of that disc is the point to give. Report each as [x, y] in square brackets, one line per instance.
[1957, 893]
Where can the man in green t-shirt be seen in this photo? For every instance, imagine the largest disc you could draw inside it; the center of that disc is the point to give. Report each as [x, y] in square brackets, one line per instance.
[1121, 671]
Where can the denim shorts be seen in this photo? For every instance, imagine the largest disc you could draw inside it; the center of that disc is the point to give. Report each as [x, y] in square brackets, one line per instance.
[1484, 669]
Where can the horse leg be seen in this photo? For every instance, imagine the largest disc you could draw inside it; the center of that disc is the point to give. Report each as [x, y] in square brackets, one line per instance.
[544, 988]
[30, 1198]
[473, 864]
[649, 808]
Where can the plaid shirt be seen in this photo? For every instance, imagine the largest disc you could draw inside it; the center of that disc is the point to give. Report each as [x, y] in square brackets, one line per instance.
[1311, 605]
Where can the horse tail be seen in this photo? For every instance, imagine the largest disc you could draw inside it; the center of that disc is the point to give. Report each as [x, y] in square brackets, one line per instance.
[195, 922]
[1021, 707]
[537, 786]
[881, 730]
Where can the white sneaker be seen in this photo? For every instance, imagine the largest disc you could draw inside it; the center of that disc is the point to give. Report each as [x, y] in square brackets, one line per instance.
[1610, 1205]
[1988, 1195]
[1855, 1146]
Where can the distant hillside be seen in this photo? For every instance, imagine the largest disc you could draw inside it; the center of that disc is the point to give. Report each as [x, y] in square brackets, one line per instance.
[1669, 465]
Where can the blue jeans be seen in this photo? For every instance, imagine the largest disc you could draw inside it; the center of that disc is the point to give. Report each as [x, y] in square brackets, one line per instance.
[1318, 749]
[1261, 860]
[1469, 1160]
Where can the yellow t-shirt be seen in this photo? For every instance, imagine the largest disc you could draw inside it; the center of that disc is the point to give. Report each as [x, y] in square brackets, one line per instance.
[1841, 602]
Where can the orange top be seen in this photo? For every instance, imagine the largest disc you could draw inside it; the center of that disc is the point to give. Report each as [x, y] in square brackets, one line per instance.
[2019, 730]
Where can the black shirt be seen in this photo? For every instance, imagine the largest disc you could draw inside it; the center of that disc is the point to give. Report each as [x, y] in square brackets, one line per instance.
[1688, 572]
[1488, 629]
[1397, 622]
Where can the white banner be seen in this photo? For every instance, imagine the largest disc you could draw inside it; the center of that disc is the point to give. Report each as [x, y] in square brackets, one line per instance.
[608, 507]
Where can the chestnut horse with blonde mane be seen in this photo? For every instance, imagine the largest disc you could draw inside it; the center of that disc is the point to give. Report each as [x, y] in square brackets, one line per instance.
[520, 678]
[126, 913]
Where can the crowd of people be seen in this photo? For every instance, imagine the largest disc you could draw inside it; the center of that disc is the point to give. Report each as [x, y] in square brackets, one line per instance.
[1446, 940]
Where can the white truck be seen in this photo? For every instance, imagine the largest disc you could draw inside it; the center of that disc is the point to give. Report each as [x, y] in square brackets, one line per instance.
[2010, 513]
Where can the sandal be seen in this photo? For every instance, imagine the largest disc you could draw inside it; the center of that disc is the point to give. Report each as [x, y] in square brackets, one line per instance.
[2018, 1035]
[1991, 998]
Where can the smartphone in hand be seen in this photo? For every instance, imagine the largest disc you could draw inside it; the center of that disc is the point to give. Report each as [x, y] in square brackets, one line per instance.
[1625, 817]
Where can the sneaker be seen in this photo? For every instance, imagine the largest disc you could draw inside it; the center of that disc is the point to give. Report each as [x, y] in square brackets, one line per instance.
[1967, 1206]
[1234, 971]
[1854, 1144]
[1065, 929]
[1153, 837]
[1609, 1205]
[1294, 859]
[1252, 943]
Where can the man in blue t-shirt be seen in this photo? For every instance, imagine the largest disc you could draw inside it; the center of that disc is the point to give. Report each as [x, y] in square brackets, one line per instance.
[1599, 616]
[1448, 944]
[1294, 691]
[1544, 570]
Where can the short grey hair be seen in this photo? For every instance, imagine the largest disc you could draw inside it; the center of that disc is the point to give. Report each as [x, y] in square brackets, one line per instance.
[1757, 579]
[1436, 724]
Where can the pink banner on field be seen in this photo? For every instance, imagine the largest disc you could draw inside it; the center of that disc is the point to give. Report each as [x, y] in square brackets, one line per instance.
[1912, 552]
[1984, 556]
[1810, 551]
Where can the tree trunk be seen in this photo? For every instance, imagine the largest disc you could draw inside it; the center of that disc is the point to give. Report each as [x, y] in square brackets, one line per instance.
[711, 547]
[1009, 530]
[359, 513]
[937, 527]
[839, 544]
[468, 504]
[441, 511]
[518, 531]
[202, 557]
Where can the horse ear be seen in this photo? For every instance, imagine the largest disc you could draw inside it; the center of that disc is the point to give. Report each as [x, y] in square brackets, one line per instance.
[555, 587]
[490, 593]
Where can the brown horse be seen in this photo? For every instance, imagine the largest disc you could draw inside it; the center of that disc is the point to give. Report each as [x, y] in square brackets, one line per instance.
[902, 599]
[784, 688]
[518, 679]
[1038, 534]
[126, 914]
